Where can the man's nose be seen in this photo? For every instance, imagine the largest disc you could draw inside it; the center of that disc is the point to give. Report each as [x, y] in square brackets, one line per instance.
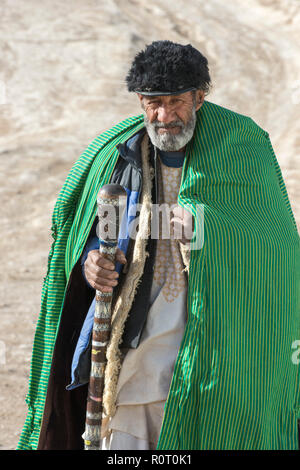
[165, 114]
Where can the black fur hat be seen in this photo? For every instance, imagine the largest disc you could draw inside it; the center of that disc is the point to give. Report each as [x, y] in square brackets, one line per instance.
[167, 68]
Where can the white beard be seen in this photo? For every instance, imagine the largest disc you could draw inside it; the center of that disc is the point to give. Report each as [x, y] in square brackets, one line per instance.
[168, 142]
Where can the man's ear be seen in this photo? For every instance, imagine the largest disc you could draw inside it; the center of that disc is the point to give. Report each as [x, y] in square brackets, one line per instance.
[199, 99]
[140, 97]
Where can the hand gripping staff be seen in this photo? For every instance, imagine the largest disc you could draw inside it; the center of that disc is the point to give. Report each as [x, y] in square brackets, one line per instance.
[111, 202]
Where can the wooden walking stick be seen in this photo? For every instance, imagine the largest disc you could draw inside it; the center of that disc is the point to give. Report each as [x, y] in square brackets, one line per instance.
[111, 202]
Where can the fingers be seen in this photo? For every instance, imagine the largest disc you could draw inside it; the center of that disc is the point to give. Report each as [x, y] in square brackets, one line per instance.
[99, 279]
[181, 213]
[178, 211]
[182, 229]
[177, 226]
[97, 259]
[177, 222]
[100, 272]
[120, 257]
[105, 263]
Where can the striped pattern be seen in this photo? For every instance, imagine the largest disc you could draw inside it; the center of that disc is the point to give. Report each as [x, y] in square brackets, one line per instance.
[234, 384]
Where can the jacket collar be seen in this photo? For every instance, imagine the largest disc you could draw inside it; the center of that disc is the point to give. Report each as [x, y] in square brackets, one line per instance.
[131, 149]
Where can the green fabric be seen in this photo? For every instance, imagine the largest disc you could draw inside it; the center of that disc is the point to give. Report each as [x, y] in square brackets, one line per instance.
[100, 156]
[234, 384]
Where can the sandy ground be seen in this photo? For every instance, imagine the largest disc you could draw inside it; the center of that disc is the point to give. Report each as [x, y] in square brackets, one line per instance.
[62, 69]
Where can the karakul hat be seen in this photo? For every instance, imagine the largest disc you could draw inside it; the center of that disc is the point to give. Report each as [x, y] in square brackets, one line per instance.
[168, 68]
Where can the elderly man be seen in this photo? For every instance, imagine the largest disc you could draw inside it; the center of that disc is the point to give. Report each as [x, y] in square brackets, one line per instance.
[200, 355]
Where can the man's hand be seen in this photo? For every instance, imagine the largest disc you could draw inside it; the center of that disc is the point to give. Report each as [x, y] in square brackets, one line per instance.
[100, 272]
[182, 224]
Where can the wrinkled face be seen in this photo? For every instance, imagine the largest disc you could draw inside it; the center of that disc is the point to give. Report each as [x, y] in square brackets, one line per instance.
[170, 120]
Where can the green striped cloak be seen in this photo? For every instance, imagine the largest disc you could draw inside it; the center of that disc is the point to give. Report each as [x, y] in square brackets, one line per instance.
[235, 385]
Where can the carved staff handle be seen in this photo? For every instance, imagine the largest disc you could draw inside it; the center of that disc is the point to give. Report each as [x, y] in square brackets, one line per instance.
[111, 202]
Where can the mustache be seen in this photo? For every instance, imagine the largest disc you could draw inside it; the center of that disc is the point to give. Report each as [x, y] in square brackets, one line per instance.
[171, 125]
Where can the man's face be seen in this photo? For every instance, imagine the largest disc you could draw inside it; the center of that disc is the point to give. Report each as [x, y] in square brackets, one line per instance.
[170, 120]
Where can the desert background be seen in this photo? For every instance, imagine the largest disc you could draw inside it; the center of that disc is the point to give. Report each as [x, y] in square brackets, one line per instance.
[62, 82]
